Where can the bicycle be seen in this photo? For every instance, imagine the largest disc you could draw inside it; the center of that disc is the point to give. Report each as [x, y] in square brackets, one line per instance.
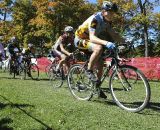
[15, 66]
[30, 69]
[57, 77]
[125, 82]
[47, 68]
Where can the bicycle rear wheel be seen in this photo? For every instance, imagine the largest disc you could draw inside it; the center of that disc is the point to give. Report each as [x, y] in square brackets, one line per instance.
[55, 77]
[22, 72]
[34, 71]
[129, 88]
[79, 84]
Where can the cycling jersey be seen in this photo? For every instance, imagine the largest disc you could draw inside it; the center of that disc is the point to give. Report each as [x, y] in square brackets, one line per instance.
[94, 23]
[12, 49]
[65, 40]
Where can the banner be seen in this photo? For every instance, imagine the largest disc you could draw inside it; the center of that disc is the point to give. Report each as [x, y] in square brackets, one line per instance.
[149, 66]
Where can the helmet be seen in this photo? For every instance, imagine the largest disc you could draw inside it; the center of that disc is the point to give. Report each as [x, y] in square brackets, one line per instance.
[109, 6]
[68, 29]
[13, 39]
[30, 45]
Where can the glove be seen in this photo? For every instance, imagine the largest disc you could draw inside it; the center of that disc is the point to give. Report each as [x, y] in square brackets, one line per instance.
[110, 45]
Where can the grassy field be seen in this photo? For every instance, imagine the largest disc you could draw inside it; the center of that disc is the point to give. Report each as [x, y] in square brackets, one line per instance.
[35, 105]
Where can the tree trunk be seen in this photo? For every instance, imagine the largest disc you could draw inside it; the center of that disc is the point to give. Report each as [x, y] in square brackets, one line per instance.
[146, 40]
[143, 11]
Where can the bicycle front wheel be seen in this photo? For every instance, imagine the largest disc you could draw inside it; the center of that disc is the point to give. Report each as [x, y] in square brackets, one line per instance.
[129, 88]
[79, 84]
[34, 71]
[55, 77]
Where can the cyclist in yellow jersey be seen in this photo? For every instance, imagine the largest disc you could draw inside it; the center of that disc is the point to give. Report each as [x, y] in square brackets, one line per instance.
[95, 33]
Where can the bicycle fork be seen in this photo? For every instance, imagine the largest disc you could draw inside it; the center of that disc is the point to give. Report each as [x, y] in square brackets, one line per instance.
[126, 85]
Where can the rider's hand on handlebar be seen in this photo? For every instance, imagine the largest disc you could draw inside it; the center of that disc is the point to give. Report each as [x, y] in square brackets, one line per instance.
[70, 54]
[110, 45]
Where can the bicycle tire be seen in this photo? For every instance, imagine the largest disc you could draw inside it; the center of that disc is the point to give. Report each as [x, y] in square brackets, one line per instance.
[79, 85]
[127, 94]
[34, 71]
[55, 77]
[22, 71]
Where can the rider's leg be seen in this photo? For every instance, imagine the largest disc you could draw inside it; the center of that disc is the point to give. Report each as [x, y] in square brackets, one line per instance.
[100, 68]
[61, 62]
[97, 51]
[95, 58]
[66, 66]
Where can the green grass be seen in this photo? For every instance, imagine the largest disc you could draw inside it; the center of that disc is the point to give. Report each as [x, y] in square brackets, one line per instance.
[35, 105]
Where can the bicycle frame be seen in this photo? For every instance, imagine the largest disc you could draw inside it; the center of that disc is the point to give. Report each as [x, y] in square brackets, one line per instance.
[123, 82]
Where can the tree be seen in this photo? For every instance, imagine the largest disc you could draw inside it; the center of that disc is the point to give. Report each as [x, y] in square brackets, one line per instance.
[22, 13]
[5, 11]
[143, 27]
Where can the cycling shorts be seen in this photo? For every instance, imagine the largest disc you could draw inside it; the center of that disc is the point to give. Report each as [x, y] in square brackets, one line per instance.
[83, 44]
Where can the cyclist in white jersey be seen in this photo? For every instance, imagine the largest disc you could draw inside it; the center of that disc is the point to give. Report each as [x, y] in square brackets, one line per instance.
[59, 49]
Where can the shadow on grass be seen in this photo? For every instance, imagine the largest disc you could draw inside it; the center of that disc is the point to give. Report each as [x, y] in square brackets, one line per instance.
[155, 106]
[2, 105]
[4, 122]
[152, 106]
[20, 106]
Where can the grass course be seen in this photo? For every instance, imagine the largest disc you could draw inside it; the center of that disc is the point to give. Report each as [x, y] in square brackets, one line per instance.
[35, 105]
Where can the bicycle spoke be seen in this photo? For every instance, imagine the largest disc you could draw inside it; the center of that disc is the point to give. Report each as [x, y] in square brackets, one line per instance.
[33, 71]
[130, 89]
[79, 84]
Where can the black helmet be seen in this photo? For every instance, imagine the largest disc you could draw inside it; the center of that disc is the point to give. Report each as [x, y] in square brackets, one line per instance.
[109, 6]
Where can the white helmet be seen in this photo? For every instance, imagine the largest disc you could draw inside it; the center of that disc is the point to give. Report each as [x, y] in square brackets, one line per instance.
[30, 45]
[13, 39]
[68, 29]
[109, 6]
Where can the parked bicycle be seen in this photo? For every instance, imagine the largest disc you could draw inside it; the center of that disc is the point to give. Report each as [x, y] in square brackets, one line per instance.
[128, 86]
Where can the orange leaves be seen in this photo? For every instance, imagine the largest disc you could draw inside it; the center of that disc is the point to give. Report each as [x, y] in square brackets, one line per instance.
[53, 4]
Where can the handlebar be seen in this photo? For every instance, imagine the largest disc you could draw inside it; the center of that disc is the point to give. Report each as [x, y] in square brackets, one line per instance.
[120, 49]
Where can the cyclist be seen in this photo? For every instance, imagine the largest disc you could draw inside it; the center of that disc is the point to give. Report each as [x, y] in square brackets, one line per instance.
[95, 33]
[14, 51]
[66, 40]
[28, 53]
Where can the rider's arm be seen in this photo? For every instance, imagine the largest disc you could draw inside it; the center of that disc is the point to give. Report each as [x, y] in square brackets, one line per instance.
[93, 38]
[62, 48]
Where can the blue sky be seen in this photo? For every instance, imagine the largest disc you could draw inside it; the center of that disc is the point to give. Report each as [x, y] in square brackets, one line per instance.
[92, 1]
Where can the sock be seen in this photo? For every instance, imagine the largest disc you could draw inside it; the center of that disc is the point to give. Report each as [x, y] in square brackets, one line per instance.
[57, 67]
